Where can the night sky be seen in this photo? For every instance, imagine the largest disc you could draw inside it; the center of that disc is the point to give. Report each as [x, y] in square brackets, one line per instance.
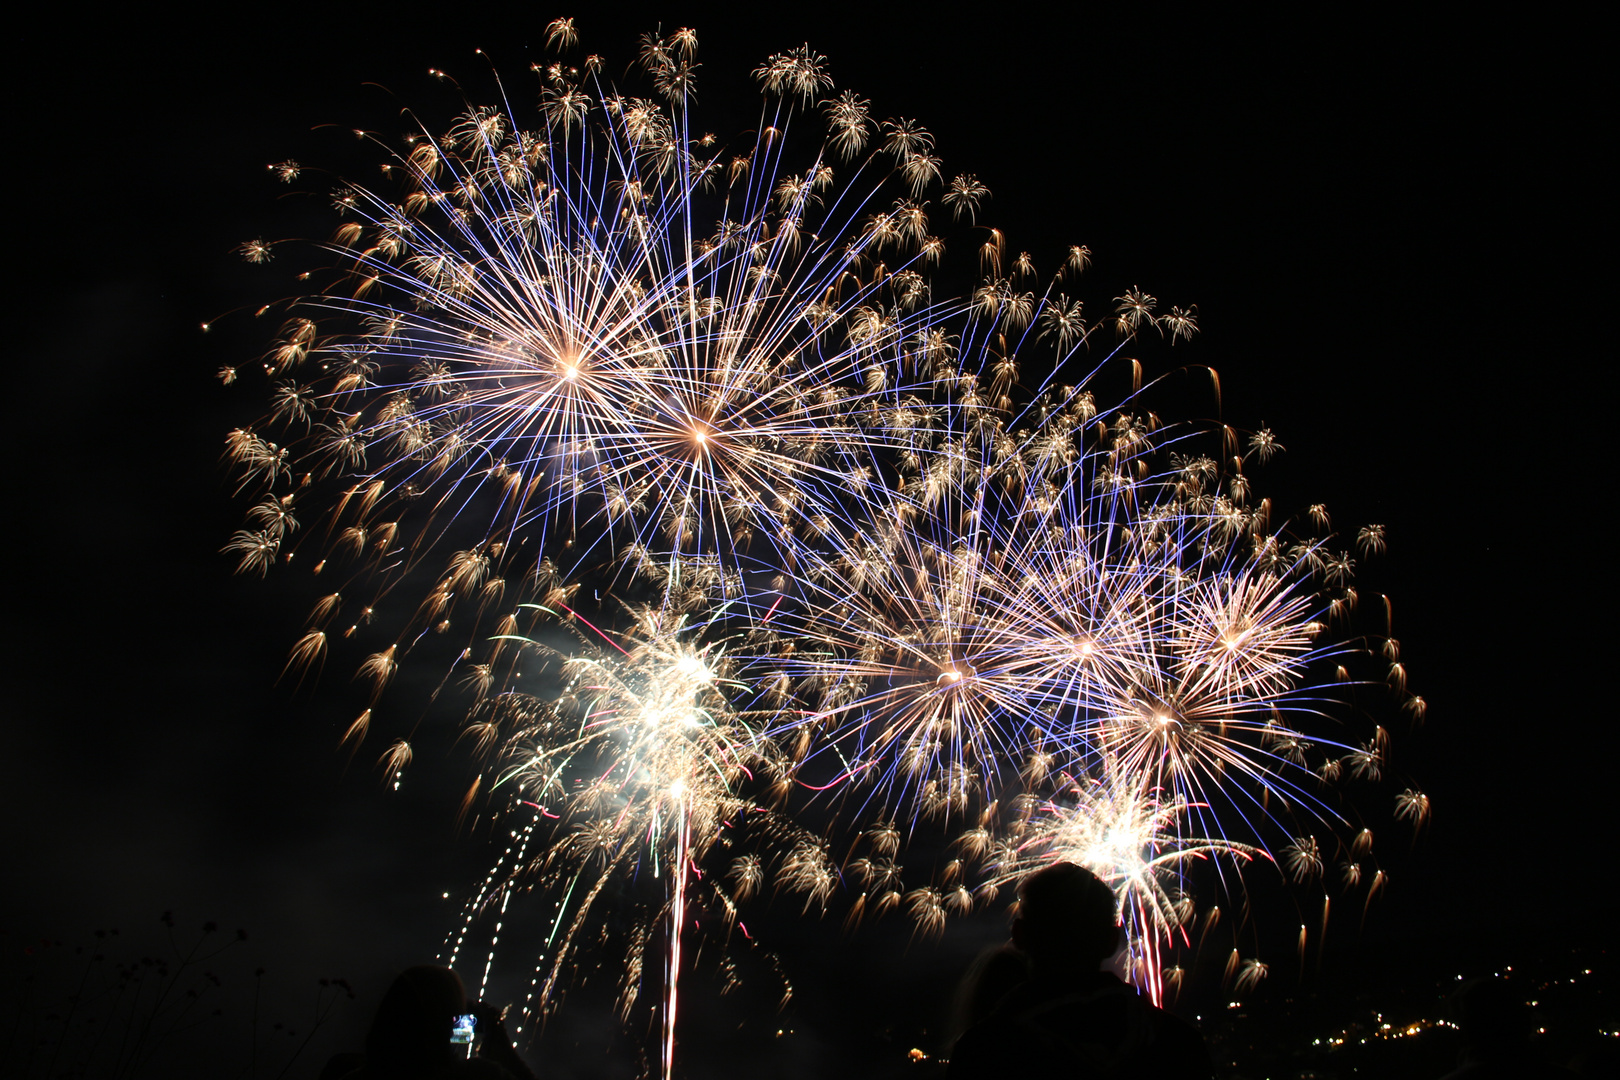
[1392, 233]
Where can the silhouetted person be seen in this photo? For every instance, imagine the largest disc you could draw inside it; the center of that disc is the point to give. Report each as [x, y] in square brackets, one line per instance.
[1070, 1018]
[1495, 1024]
[410, 1036]
[992, 976]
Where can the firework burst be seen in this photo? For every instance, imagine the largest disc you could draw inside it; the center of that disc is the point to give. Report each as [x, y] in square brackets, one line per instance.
[602, 332]
[836, 543]
[641, 767]
[1131, 836]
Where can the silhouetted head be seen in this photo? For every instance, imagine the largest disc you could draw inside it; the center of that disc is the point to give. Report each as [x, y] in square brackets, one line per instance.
[410, 1035]
[1067, 919]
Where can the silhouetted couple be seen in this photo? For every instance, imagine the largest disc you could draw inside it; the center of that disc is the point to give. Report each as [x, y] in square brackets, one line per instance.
[410, 1037]
[1045, 1007]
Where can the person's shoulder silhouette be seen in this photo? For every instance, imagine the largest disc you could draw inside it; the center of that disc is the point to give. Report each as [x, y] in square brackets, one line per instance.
[1069, 1018]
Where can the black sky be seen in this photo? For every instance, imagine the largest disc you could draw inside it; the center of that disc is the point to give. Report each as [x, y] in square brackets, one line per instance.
[1391, 226]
